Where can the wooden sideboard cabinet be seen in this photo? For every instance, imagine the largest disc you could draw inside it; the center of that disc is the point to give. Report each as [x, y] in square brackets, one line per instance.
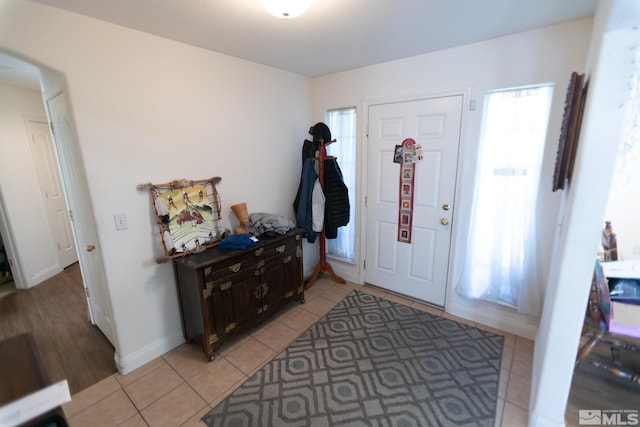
[223, 292]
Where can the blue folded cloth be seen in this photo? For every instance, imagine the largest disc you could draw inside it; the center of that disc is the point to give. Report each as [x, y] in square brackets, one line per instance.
[237, 241]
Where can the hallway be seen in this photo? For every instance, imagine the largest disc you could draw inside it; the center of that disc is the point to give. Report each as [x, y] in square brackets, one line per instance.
[55, 312]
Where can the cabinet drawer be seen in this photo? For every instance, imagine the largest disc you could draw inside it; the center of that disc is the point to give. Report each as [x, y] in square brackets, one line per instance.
[280, 249]
[229, 269]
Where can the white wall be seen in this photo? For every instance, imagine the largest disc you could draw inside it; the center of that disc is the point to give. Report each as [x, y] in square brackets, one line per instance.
[148, 109]
[34, 248]
[544, 55]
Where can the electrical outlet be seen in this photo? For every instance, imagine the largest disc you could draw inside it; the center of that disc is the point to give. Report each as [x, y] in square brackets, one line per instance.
[121, 221]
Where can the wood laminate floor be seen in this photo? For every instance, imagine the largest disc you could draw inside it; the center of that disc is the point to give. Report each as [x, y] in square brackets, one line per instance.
[55, 312]
[596, 389]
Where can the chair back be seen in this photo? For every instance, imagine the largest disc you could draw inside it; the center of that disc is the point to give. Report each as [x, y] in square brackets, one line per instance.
[600, 300]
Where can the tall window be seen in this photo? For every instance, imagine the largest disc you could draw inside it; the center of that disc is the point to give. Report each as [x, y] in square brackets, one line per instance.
[501, 263]
[342, 124]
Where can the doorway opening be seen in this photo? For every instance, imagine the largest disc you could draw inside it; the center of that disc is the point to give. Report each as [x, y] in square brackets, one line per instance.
[26, 229]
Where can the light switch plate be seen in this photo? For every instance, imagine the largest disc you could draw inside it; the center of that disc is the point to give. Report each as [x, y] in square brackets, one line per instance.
[121, 221]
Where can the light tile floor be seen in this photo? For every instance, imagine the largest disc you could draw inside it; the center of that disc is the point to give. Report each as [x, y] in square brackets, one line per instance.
[180, 387]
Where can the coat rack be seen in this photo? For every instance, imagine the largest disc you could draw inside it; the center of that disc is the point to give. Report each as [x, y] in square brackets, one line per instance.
[323, 266]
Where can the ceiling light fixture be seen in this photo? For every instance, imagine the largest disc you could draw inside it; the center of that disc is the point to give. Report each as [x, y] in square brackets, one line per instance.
[286, 9]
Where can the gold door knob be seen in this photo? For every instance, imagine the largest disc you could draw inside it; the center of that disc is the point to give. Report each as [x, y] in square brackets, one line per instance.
[445, 206]
[444, 221]
[90, 248]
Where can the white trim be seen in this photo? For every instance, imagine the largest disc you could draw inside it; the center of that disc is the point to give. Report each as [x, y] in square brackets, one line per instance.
[146, 354]
[345, 269]
[9, 241]
[495, 316]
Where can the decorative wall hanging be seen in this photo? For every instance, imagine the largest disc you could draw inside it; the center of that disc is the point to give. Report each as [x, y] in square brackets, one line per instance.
[570, 130]
[187, 214]
[410, 153]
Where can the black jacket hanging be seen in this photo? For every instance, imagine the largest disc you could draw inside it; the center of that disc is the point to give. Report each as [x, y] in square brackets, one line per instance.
[336, 206]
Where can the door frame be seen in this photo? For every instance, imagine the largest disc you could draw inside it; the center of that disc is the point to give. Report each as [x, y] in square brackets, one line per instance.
[8, 238]
[465, 92]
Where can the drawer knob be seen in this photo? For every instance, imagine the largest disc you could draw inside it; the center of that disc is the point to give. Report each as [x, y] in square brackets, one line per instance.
[281, 249]
[235, 267]
[286, 260]
[259, 252]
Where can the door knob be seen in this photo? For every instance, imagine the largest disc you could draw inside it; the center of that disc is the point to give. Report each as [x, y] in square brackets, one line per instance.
[444, 221]
[90, 248]
[445, 206]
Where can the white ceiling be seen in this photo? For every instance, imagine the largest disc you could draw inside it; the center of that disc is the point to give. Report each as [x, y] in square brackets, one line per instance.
[332, 35]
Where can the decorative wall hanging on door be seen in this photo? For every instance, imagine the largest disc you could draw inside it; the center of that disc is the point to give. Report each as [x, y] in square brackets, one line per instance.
[409, 153]
[188, 215]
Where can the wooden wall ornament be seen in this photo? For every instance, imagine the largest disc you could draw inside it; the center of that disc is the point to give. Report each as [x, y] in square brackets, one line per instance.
[187, 213]
[570, 130]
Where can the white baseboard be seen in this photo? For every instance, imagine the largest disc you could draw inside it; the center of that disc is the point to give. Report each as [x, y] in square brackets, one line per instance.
[130, 362]
[42, 275]
[494, 316]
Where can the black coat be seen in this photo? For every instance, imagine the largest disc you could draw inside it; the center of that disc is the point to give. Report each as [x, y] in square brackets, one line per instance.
[336, 205]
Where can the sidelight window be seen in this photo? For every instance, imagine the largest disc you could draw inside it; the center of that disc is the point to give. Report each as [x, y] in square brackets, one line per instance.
[342, 123]
[501, 263]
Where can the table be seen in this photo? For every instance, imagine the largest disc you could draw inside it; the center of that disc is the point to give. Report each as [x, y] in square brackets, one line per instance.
[21, 374]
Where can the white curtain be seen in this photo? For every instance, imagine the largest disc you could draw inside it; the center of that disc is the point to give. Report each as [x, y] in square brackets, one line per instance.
[501, 261]
[342, 124]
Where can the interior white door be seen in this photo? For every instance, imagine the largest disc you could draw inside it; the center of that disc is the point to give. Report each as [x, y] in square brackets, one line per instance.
[417, 269]
[83, 224]
[51, 189]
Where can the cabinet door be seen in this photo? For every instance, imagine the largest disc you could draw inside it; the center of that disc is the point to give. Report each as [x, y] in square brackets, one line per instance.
[274, 283]
[233, 284]
[281, 279]
[243, 301]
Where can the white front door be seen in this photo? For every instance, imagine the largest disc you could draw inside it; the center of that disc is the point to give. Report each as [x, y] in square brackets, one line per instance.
[83, 224]
[51, 189]
[417, 269]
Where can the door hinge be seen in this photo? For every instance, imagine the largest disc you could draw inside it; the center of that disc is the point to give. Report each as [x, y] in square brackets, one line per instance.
[365, 201]
[53, 132]
[364, 264]
[71, 215]
[86, 292]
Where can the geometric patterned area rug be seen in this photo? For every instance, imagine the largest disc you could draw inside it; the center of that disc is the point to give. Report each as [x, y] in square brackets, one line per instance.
[373, 362]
